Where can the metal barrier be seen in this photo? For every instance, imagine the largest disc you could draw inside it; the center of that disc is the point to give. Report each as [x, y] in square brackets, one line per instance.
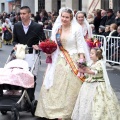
[102, 39]
[48, 33]
[113, 49]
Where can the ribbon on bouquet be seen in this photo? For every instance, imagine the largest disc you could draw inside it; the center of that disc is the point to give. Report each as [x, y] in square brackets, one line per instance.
[67, 56]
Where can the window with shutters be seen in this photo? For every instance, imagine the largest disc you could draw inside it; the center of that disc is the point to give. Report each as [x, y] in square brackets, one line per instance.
[105, 4]
[116, 5]
[80, 4]
[41, 4]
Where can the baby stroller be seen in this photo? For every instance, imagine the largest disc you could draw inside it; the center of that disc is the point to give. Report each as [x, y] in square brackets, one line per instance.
[17, 75]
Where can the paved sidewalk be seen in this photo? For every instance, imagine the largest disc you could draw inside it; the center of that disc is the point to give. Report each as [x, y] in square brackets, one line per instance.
[117, 67]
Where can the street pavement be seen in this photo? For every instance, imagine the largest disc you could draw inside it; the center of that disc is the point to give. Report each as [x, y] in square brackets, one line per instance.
[114, 75]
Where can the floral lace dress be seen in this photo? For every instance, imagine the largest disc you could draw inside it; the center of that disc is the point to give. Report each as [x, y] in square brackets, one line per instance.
[59, 100]
[94, 102]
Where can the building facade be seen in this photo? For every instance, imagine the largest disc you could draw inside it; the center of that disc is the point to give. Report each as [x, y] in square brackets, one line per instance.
[55, 5]
[3, 6]
[10, 5]
[84, 5]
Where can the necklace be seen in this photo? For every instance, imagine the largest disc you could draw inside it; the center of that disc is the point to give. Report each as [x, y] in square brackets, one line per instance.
[67, 28]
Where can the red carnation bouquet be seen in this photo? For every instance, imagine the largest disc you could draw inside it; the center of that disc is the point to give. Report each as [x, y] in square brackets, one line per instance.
[93, 42]
[48, 46]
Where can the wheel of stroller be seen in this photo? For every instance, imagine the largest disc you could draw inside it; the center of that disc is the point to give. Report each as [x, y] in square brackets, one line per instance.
[4, 112]
[15, 115]
[33, 107]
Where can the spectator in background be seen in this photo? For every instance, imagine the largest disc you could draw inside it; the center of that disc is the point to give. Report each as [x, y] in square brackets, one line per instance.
[54, 13]
[107, 30]
[49, 15]
[118, 30]
[113, 30]
[17, 18]
[103, 17]
[116, 52]
[90, 18]
[12, 19]
[101, 30]
[0, 16]
[45, 24]
[49, 26]
[97, 21]
[93, 28]
[110, 17]
[7, 32]
[95, 13]
[44, 16]
[37, 17]
[117, 19]
[4, 16]
[111, 41]
[32, 17]
[75, 11]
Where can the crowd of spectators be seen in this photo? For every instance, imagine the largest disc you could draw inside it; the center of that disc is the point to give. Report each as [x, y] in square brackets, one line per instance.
[47, 19]
[107, 23]
[102, 22]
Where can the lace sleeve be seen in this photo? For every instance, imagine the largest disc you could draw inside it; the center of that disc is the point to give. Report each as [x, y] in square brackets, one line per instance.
[79, 39]
[81, 44]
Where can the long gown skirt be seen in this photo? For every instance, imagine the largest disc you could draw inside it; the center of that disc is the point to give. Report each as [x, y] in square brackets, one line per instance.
[59, 100]
[94, 102]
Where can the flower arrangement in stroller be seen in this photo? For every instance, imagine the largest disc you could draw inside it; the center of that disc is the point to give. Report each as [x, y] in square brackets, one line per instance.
[17, 75]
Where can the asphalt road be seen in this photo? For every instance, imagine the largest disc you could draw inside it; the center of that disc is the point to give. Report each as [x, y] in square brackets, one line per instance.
[114, 76]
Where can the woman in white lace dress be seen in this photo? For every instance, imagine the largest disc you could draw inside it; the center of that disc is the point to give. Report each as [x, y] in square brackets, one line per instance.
[61, 86]
[86, 28]
[96, 99]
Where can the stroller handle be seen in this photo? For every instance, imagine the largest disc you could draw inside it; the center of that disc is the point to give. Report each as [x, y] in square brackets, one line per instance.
[27, 48]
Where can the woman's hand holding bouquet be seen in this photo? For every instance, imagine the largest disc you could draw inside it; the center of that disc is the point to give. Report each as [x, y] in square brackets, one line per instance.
[48, 46]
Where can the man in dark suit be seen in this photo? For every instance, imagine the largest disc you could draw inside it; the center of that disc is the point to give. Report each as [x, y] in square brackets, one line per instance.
[110, 17]
[28, 33]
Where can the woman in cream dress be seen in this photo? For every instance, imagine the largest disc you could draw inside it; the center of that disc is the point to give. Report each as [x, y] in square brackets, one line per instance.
[61, 86]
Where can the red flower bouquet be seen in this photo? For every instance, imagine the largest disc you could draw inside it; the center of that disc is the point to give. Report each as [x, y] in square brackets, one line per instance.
[48, 46]
[97, 43]
[93, 42]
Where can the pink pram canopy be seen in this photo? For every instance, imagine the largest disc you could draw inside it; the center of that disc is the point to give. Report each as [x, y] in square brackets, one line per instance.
[16, 73]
